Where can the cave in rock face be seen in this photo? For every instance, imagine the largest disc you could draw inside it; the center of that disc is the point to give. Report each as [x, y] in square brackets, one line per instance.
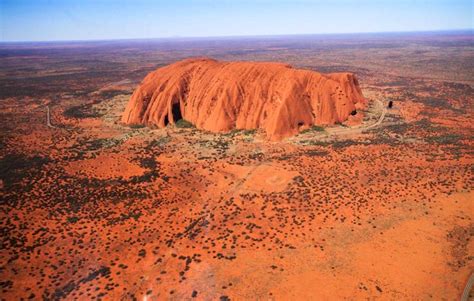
[221, 96]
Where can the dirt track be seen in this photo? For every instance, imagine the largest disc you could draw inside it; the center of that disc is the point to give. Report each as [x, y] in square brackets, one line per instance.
[360, 128]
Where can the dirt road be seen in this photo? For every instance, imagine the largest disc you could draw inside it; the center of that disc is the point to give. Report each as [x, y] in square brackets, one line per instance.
[48, 118]
[361, 128]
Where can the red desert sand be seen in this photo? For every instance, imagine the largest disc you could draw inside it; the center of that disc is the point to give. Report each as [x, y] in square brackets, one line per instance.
[92, 209]
[221, 96]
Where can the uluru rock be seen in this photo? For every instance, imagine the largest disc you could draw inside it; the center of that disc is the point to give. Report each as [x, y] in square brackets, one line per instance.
[221, 96]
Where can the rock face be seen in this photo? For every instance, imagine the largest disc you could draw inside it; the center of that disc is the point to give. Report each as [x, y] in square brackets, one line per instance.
[221, 96]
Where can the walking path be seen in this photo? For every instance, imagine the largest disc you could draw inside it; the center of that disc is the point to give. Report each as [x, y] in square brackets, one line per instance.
[362, 128]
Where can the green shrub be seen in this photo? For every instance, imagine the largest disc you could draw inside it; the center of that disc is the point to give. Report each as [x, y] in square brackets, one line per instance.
[445, 139]
[137, 126]
[314, 128]
[184, 124]
[236, 132]
[82, 111]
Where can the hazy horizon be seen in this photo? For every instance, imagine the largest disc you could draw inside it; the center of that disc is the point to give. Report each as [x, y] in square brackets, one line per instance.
[270, 36]
[54, 20]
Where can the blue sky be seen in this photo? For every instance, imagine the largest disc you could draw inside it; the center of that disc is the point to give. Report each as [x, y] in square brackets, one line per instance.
[40, 20]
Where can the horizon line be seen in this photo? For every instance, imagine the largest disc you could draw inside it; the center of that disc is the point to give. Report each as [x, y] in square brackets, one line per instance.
[217, 37]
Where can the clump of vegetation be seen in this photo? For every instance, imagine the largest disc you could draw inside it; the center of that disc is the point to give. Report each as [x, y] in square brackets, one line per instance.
[157, 143]
[398, 128]
[112, 93]
[149, 163]
[84, 148]
[427, 126]
[383, 137]
[315, 142]
[96, 144]
[15, 167]
[137, 126]
[220, 144]
[445, 139]
[184, 124]
[135, 215]
[314, 128]
[248, 132]
[317, 153]
[338, 144]
[72, 219]
[436, 102]
[81, 111]
[243, 132]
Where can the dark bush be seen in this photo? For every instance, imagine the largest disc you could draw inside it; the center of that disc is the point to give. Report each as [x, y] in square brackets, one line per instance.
[184, 124]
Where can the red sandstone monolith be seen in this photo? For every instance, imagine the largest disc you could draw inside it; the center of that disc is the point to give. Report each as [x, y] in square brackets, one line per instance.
[221, 96]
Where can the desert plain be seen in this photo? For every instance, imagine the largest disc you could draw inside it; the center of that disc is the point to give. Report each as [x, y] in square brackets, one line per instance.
[93, 209]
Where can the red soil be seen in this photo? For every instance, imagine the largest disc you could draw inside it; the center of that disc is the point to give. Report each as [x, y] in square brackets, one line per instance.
[220, 96]
[92, 210]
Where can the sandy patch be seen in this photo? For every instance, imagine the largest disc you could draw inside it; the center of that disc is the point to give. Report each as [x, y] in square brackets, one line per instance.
[106, 166]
